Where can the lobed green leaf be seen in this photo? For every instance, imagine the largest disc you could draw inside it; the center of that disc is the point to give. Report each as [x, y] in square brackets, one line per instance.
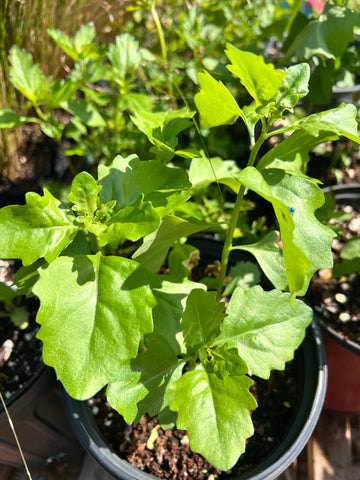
[107, 311]
[264, 327]
[38, 229]
[215, 414]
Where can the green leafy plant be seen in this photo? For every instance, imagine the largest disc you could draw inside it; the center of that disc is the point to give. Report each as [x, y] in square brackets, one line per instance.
[334, 62]
[101, 91]
[111, 314]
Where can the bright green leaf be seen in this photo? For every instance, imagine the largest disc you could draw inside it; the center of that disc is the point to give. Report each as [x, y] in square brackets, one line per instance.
[202, 319]
[306, 243]
[108, 309]
[215, 414]
[261, 80]
[264, 327]
[292, 154]
[294, 86]
[143, 384]
[215, 103]
[28, 77]
[204, 171]
[340, 120]
[84, 193]
[35, 230]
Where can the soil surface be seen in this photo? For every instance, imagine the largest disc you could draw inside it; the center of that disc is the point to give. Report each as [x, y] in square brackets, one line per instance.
[337, 300]
[167, 453]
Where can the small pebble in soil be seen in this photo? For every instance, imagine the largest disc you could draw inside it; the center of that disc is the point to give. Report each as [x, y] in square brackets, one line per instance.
[354, 225]
[344, 317]
[341, 298]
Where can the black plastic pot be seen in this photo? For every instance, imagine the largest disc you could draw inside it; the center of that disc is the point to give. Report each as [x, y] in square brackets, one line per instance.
[40, 422]
[343, 355]
[310, 361]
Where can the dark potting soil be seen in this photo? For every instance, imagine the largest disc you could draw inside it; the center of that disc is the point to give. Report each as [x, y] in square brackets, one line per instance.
[20, 350]
[337, 300]
[166, 454]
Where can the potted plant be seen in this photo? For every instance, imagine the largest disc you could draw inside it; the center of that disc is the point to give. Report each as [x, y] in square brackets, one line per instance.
[334, 296]
[109, 315]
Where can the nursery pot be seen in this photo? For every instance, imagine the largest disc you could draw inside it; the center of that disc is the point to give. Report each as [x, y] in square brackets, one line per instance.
[310, 361]
[342, 355]
[41, 426]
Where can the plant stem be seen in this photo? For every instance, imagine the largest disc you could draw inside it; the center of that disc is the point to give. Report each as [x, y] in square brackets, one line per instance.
[163, 51]
[235, 215]
[16, 438]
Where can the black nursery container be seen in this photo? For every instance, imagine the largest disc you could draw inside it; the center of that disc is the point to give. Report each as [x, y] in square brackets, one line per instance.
[310, 362]
[40, 422]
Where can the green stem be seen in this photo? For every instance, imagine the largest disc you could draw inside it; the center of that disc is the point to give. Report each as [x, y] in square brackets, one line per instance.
[235, 215]
[164, 54]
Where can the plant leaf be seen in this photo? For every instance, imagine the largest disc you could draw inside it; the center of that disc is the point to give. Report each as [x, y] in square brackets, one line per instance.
[155, 246]
[215, 413]
[261, 80]
[264, 327]
[130, 223]
[94, 320]
[143, 384]
[202, 319]
[340, 120]
[124, 55]
[302, 255]
[28, 77]
[127, 178]
[292, 153]
[270, 259]
[243, 275]
[204, 171]
[215, 103]
[35, 230]
[9, 119]
[86, 111]
[328, 36]
[294, 86]
[64, 42]
[84, 193]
